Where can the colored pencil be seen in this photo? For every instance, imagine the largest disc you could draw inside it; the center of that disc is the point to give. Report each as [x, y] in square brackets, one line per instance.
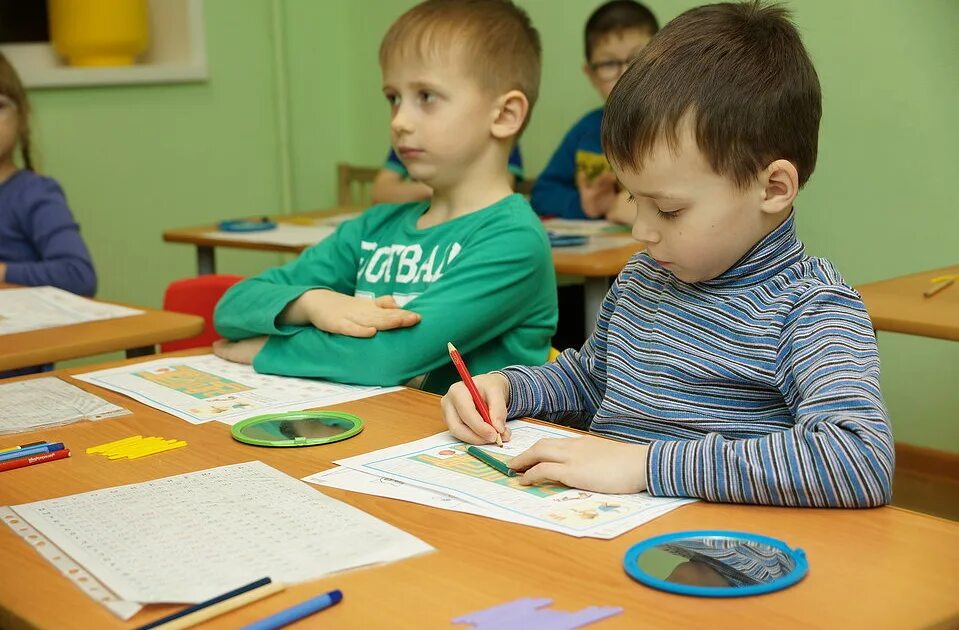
[478, 401]
[22, 446]
[30, 460]
[39, 449]
[939, 287]
[216, 605]
[295, 613]
[490, 461]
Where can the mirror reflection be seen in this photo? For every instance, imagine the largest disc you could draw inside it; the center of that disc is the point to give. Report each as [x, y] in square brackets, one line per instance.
[290, 429]
[716, 562]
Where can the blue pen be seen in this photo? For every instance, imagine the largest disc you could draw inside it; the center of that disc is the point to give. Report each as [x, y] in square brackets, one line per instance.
[29, 451]
[295, 613]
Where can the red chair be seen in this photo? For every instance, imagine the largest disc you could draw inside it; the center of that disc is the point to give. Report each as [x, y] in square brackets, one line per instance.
[196, 296]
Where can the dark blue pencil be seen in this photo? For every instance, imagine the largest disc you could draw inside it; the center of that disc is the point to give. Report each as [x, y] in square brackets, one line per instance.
[207, 603]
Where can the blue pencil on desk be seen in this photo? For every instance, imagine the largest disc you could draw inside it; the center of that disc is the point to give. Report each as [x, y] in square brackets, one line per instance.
[30, 450]
[22, 446]
[295, 613]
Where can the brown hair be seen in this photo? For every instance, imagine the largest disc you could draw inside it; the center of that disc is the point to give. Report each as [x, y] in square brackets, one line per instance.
[617, 16]
[497, 42]
[742, 76]
[11, 87]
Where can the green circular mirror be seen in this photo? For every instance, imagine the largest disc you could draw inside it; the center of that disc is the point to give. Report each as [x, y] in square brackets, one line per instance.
[297, 428]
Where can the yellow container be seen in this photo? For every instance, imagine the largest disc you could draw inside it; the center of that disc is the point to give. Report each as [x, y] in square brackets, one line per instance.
[99, 32]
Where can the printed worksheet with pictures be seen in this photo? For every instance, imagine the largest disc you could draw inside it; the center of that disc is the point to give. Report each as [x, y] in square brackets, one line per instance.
[206, 387]
[441, 464]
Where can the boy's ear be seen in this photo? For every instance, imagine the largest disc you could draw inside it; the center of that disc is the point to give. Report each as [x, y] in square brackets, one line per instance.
[509, 115]
[780, 182]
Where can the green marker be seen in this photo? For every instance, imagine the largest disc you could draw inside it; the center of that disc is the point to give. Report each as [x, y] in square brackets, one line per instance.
[490, 461]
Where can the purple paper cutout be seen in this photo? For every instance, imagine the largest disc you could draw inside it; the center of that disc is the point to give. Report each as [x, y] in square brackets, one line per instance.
[531, 614]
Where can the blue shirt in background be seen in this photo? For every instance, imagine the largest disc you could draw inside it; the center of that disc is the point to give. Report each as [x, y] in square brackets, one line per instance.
[515, 165]
[555, 193]
[39, 241]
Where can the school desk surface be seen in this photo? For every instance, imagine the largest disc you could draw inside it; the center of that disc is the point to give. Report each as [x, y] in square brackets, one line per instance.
[136, 334]
[898, 305]
[884, 567]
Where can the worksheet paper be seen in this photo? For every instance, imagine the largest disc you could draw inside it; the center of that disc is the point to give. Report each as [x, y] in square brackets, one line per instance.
[206, 387]
[48, 401]
[190, 537]
[34, 308]
[440, 464]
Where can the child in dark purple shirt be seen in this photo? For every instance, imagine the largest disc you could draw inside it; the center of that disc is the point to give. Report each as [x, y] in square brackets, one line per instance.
[40, 243]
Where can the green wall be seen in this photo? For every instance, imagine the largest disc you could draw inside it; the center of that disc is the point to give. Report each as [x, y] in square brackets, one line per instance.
[137, 160]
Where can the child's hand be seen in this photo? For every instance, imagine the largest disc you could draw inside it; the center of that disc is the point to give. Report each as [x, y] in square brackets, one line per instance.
[587, 463]
[354, 316]
[465, 422]
[241, 351]
[597, 196]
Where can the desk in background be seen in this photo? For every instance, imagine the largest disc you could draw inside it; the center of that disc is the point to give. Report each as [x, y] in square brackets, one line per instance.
[136, 334]
[883, 567]
[598, 268]
[898, 305]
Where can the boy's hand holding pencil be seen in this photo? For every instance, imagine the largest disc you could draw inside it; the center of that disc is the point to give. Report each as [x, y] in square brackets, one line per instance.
[476, 414]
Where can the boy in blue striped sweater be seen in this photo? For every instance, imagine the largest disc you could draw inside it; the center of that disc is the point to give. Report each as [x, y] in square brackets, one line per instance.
[727, 364]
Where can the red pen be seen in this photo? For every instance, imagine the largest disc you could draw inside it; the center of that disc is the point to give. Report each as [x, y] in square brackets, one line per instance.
[34, 459]
[470, 385]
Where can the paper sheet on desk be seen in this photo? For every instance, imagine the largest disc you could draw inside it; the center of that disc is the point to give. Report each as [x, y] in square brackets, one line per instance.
[34, 308]
[440, 464]
[189, 537]
[205, 387]
[48, 401]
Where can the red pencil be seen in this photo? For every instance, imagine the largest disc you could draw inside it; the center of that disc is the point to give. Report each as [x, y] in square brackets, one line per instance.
[34, 459]
[470, 385]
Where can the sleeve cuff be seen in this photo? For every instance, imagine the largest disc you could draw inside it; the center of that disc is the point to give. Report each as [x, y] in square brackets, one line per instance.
[520, 393]
[670, 468]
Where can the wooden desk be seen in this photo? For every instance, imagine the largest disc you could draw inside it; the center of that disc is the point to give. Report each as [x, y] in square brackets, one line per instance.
[137, 335]
[597, 268]
[897, 305]
[884, 567]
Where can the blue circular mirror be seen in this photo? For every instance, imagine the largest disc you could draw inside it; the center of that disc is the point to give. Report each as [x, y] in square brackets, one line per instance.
[715, 563]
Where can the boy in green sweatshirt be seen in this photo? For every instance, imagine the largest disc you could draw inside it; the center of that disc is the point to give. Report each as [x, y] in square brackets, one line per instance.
[376, 303]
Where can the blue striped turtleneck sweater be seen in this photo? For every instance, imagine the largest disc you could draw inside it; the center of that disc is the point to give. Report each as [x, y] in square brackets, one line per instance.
[759, 386]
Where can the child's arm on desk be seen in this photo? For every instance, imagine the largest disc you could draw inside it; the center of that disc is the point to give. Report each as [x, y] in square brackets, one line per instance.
[493, 286]
[569, 390]
[316, 289]
[346, 314]
[588, 463]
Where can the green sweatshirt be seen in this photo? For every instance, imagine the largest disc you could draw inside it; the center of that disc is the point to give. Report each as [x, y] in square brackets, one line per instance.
[483, 281]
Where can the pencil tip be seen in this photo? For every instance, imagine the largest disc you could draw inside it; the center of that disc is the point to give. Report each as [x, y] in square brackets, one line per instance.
[450, 347]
